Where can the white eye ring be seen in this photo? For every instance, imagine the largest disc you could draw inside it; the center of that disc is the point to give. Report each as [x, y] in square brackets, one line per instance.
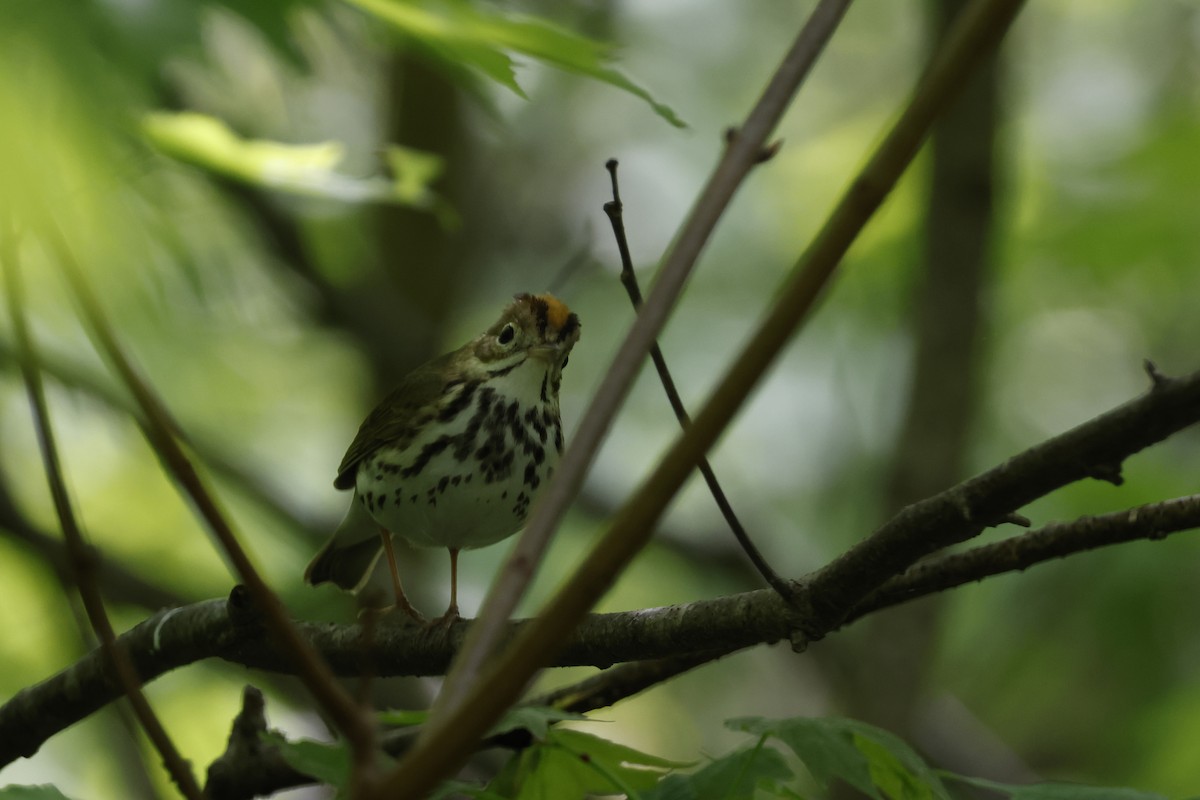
[507, 335]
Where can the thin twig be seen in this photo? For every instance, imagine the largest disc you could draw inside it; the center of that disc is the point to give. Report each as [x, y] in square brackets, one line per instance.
[81, 558]
[113, 582]
[614, 209]
[159, 430]
[481, 701]
[1152, 521]
[624, 681]
[738, 160]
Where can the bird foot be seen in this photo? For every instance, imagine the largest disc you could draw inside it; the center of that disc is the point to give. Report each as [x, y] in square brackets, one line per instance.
[406, 608]
[447, 620]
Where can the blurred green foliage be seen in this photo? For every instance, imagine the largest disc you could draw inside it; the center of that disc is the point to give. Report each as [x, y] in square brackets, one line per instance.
[253, 313]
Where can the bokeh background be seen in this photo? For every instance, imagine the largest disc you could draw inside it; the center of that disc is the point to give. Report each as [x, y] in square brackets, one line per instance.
[271, 322]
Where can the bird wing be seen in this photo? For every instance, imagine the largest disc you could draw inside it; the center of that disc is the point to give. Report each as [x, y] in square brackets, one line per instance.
[394, 420]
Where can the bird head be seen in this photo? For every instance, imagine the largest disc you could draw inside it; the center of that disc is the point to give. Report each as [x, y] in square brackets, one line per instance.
[537, 326]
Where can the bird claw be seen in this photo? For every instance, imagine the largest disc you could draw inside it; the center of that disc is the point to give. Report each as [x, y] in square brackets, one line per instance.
[408, 610]
[445, 621]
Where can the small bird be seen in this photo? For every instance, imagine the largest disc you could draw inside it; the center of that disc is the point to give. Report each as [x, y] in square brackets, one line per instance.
[455, 454]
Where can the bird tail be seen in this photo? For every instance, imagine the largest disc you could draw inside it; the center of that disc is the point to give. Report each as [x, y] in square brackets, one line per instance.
[349, 557]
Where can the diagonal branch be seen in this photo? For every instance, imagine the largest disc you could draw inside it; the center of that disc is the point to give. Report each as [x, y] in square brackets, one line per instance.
[1057, 540]
[161, 430]
[228, 630]
[962, 512]
[477, 703]
[75, 376]
[744, 151]
[81, 561]
[614, 209]
[117, 583]
[659, 643]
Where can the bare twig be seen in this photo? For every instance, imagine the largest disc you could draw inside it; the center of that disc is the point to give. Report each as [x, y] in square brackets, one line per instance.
[614, 209]
[81, 559]
[624, 681]
[250, 766]
[160, 431]
[480, 701]
[737, 161]
[1152, 521]
[963, 511]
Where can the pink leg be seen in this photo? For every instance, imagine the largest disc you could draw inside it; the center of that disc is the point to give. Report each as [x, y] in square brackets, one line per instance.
[401, 600]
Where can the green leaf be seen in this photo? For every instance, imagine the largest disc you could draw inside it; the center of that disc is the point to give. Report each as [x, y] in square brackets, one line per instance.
[895, 767]
[461, 32]
[535, 719]
[306, 170]
[328, 763]
[43, 792]
[548, 773]
[892, 777]
[868, 758]
[158, 31]
[827, 750]
[1056, 791]
[610, 752]
[570, 763]
[737, 776]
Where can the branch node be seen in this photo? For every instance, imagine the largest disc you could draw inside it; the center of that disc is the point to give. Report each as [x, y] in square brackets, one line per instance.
[765, 153]
[1157, 379]
[241, 607]
[1013, 518]
[964, 507]
[247, 754]
[611, 166]
[769, 151]
[804, 623]
[1110, 473]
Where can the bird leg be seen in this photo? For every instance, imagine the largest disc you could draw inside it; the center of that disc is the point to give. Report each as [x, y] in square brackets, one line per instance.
[401, 600]
[451, 616]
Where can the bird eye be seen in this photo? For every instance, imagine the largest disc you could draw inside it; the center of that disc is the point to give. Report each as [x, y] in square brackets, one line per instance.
[506, 335]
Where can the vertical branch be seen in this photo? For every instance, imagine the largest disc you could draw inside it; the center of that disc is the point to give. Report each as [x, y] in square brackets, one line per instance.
[744, 151]
[450, 737]
[81, 559]
[160, 431]
[614, 209]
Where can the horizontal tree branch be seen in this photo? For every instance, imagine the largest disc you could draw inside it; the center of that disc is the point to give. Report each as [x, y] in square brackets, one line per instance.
[1056, 540]
[1095, 449]
[673, 639]
[248, 767]
[233, 630]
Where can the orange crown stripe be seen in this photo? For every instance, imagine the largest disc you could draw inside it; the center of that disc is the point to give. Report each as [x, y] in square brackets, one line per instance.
[556, 311]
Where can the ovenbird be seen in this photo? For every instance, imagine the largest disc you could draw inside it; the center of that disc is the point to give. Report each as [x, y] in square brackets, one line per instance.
[454, 455]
